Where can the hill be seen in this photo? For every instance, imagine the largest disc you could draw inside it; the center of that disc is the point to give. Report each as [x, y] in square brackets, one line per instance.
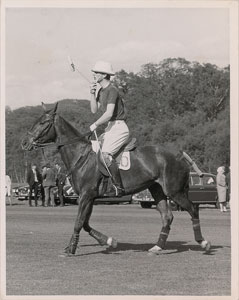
[177, 104]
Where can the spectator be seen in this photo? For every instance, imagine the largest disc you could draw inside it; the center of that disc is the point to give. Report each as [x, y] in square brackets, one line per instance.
[8, 187]
[228, 182]
[60, 181]
[42, 190]
[33, 179]
[221, 188]
[48, 184]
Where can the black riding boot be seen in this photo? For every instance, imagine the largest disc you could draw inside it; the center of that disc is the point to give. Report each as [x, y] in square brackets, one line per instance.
[116, 178]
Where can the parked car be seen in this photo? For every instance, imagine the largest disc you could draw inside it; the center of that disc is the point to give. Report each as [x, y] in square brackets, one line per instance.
[114, 200]
[201, 191]
[70, 197]
[22, 192]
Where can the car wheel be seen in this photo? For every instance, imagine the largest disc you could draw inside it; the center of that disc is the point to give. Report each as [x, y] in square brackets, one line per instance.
[146, 204]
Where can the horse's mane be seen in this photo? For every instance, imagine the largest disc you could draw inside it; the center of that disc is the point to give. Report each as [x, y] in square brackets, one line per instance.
[72, 129]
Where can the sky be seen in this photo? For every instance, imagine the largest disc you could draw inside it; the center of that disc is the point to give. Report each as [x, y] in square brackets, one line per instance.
[39, 41]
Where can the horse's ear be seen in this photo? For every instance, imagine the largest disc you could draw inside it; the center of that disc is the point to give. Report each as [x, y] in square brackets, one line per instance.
[55, 108]
[43, 106]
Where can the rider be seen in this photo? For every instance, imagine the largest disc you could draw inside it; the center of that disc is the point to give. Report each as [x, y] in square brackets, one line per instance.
[116, 133]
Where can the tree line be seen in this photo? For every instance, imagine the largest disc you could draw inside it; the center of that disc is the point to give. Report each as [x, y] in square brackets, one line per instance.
[177, 104]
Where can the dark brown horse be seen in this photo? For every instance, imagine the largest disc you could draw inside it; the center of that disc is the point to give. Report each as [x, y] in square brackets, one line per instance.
[161, 172]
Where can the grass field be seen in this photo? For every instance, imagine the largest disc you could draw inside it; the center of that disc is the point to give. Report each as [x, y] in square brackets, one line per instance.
[36, 237]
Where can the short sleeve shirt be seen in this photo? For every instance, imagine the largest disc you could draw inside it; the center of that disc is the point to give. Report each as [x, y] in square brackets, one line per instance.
[110, 95]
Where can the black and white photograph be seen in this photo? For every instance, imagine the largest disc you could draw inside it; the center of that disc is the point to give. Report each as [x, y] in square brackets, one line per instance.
[119, 149]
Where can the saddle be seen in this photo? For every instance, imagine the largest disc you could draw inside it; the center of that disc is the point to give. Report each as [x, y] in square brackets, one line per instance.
[122, 157]
[129, 146]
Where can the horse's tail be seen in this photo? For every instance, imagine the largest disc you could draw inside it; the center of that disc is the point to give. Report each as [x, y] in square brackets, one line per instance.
[191, 163]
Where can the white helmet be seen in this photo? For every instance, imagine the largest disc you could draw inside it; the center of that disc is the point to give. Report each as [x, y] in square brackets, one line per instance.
[103, 67]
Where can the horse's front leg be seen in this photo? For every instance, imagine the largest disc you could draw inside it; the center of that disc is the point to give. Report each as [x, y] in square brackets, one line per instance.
[101, 238]
[84, 208]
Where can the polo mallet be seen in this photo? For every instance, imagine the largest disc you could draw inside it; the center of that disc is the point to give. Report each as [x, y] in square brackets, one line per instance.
[102, 153]
[74, 68]
[193, 164]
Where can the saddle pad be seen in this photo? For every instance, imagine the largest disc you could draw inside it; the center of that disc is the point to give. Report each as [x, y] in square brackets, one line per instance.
[123, 160]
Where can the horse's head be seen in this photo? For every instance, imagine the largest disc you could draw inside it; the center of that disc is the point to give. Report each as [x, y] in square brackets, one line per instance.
[42, 132]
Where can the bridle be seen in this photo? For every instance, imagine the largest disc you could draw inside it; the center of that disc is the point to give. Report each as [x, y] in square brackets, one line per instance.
[47, 131]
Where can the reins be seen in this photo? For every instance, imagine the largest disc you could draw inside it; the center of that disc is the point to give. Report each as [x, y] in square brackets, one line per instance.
[59, 145]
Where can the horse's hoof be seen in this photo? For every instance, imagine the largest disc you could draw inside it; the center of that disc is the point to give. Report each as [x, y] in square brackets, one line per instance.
[206, 245]
[112, 242]
[67, 252]
[155, 250]
[65, 255]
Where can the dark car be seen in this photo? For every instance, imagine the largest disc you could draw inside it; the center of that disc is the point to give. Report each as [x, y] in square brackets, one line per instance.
[22, 192]
[201, 191]
[70, 197]
[114, 200]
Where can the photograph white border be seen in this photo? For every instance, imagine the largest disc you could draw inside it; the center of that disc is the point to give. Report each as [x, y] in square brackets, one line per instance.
[233, 7]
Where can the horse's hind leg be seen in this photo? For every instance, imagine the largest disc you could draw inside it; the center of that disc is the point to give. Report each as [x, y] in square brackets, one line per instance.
[101, 238]
[166, 215]
[193, 210]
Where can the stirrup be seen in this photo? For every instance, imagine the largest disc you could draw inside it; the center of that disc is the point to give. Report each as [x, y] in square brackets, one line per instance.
[119, 192]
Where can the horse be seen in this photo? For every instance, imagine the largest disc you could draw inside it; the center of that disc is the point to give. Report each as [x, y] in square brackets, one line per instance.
[165, 175]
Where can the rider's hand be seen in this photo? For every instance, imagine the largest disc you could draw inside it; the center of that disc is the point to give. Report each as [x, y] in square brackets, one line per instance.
[93, 127]
[93, 87]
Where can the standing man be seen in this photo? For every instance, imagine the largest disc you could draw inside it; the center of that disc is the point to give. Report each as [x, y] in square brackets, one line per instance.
[42, 189]
[228, 183]
[109, 101]
[60, 182]
[8, 188]
[33, 179]
[48, 184]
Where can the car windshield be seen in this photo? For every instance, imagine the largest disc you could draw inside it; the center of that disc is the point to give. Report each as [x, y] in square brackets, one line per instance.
[208, 180]
[196, 180]
[205, 180]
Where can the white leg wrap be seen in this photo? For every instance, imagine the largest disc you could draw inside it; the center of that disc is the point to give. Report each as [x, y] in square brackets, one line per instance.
[112, 242]
[155, 250]
[206, 245]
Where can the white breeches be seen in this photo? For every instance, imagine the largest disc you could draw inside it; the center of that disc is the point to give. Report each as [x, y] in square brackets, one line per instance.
[115, 136]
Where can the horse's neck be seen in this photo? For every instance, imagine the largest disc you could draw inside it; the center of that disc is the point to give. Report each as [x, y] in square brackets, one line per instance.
[73, 144]
[65, 131]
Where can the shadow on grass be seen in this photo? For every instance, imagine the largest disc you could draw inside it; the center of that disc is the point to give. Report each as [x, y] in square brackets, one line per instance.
[171, 248]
